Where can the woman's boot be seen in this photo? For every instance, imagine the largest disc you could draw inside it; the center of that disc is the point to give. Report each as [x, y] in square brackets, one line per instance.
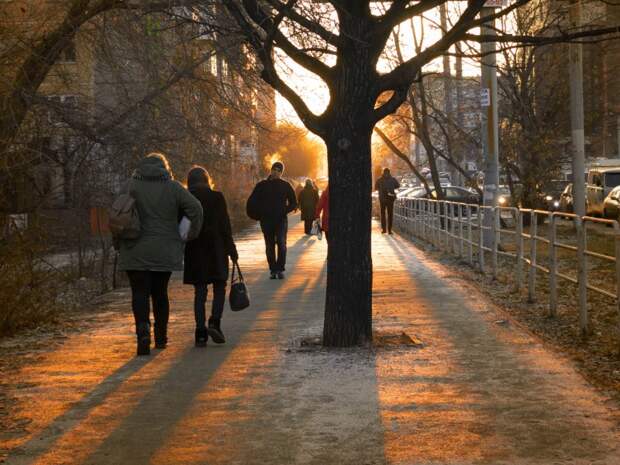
[215, 331]
[143, 332]
[161, 336]
[201, 337]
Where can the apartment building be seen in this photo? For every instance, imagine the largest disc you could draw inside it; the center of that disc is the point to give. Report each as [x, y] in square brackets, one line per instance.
[130, 83]
[47, 148]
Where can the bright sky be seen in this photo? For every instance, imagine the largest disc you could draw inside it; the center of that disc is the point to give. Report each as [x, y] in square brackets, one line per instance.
[314, 91]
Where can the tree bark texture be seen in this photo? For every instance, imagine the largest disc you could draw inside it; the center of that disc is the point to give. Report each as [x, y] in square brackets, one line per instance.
[348, 306]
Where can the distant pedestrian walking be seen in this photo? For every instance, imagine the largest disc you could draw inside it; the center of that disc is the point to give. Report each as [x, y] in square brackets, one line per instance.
[323, 207]
[150, 259]
[386, 185]
[298, 188]
[270, 202]
[308, 199]
[206, 257]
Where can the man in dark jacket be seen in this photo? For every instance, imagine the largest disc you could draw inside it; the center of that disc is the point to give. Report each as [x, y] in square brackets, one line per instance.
[386, 185]
[271, 200]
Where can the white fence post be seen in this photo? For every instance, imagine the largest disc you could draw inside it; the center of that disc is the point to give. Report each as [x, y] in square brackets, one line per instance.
[582, 276]
[553, 267]
[495, 240]
[437, 223]
[617, 241]
[480, 240]
[532, 277]
[453, 217]
[470, 245]
[460, 217]
[519, 244]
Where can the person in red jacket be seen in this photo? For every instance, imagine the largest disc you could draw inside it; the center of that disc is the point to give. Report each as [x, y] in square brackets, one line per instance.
[323, 206]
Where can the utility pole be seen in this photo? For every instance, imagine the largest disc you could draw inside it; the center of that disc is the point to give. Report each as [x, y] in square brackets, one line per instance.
[575, 68]
[488, 100]
[447, 85]
[458, 69]
[618, 136]
[462, 156]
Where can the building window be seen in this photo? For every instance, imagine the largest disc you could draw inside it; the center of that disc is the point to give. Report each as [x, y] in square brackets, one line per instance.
[69, 53]
[224, 69]
[213, 61]
[58, 106]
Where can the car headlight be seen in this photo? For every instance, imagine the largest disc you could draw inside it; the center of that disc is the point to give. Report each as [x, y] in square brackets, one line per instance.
[548, 198]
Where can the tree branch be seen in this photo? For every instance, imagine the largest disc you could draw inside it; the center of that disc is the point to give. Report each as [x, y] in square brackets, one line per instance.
[399, 12]
[329, 37]
[269, 73]
[402, 74]
[15, 103]
[545, 40]
[271, 27]
[396, 151]
[396, 100]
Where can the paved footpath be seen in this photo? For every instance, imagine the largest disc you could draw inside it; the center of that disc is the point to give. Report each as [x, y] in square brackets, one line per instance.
[479, 391]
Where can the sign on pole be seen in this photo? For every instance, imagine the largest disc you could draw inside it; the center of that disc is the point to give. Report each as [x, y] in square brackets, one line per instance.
[485, 97]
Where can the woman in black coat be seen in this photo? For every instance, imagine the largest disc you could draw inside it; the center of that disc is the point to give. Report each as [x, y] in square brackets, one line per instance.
[206, 257]
[308, 199]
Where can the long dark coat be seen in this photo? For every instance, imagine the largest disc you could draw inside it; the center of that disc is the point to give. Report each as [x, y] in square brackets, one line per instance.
[308, 198]
[206, 257]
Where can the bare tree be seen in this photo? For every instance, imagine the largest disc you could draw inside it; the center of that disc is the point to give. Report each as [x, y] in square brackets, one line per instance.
[129, 80]
[533, 107]
[341, 42]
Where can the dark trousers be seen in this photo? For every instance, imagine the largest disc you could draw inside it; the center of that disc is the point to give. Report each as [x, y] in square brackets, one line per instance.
[275, 237]
[308, 226]
[387, 209]
[152, 285]
[200, 299]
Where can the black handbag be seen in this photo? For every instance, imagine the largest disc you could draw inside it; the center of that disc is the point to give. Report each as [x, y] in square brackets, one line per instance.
[239, 298]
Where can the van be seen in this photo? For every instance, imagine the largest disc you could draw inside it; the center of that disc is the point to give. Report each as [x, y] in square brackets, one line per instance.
[601, 180]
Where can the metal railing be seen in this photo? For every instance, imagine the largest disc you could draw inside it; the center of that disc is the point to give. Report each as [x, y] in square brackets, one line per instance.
[475, 234]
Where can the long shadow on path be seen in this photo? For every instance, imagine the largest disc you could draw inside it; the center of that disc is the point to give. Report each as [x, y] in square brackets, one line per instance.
[193, 399]
[506, 398]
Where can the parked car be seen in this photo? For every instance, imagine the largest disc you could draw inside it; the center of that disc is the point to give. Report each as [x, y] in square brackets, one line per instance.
[402, 193]
[452, 194]
[504, 198]
[459, 194]
[553, 193]
[611, 205]
[601, 180]
[566, 199]
[417, 193]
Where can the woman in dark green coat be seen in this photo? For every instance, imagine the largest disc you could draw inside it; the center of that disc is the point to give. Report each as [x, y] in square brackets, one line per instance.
[308, 198]
[150, 259]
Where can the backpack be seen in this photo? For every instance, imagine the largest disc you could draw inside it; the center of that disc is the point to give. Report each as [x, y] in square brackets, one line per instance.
[124, 218]
[252, 207]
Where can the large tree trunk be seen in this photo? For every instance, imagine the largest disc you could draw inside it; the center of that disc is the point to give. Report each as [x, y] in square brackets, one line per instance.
[348, 306]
